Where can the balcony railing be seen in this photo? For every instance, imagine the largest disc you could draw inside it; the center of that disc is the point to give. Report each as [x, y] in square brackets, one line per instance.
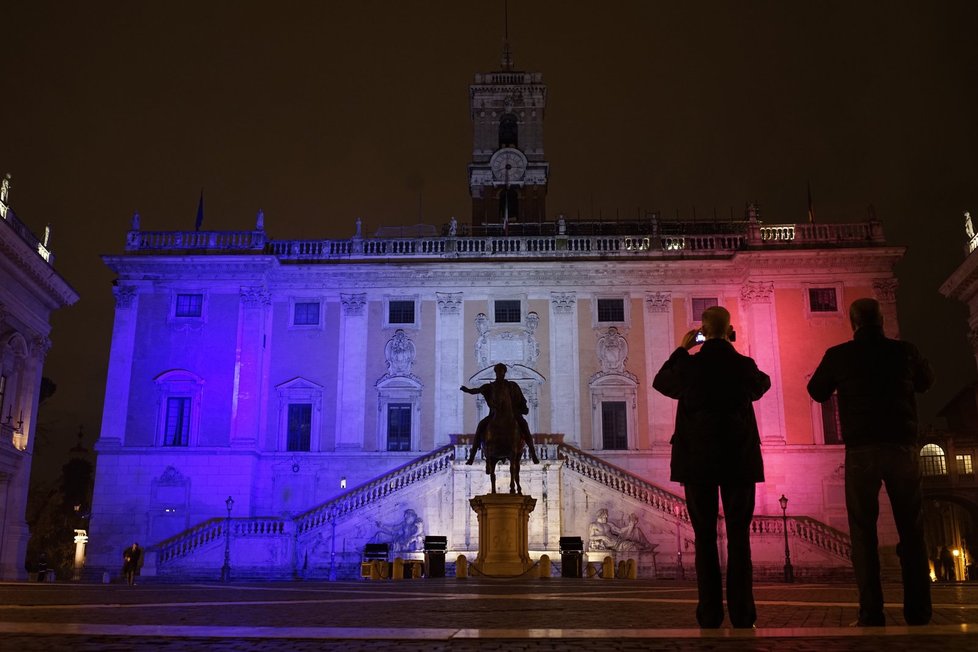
[549, 242]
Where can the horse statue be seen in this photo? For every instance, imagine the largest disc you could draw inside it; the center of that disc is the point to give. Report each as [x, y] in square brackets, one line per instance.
[502, 434]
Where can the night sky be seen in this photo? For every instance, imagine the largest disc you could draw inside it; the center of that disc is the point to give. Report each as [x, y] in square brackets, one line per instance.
[319, 113]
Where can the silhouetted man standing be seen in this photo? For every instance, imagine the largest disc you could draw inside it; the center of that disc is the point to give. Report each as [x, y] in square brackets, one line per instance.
[716, 450]
[876, 378]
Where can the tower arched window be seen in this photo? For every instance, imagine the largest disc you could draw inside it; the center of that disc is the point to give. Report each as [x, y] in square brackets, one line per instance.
[509, 204]
[933, 461]
[508, 131]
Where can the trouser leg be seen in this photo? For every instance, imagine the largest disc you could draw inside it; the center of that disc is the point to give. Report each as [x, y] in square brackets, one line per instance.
[863, 483]
[477, 442]
[738, 510]
[901, 473]
[528, 439]
[702, 502]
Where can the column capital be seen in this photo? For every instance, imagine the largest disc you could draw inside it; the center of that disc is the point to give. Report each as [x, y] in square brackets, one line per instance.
[449, 303]
[255, 296]
[658, 301]
[563, 302]
[884, 289]
[125, 295]
[753, 292]
[353, 304]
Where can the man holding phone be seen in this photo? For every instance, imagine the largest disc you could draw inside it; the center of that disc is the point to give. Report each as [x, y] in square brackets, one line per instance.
[716, 453]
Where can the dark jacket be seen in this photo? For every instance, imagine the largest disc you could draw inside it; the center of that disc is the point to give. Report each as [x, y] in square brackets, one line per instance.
[876, 378]
[716, 439]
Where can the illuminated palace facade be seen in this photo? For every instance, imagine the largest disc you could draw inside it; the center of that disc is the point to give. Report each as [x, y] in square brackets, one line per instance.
[316, 382]
[30, 290]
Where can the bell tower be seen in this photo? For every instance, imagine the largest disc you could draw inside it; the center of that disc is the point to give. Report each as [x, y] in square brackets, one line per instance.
[508, 173]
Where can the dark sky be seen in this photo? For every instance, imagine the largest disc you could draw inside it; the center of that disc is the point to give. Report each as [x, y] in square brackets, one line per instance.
[319, 113]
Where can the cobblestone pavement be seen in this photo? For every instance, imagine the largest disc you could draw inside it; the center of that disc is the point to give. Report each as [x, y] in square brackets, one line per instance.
[449, 614]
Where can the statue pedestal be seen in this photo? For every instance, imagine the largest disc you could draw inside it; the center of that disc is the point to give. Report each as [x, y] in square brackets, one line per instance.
[503, 530]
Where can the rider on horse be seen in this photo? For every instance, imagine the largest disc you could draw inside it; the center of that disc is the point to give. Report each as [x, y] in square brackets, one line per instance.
[496, 393]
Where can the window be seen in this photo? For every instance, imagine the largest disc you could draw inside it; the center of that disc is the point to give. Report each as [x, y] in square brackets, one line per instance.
[178, 417]
[611, 310]
[400, 312]
[831, 426]
[189, 305]
[398, 426]
[509, 204]
[305, 313]
[822, 300]
[700, 304]
[614, 425]
[299, 427]
[300, 408]
[508, 131]
[964, 464]
[507, 311]
[176, 431]
[932, 460]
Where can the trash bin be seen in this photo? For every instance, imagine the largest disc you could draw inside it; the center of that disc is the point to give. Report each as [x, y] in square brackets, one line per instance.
[571, 556]
[434, 555]
[379, 552]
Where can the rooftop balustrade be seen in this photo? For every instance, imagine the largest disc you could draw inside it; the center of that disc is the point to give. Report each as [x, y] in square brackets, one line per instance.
[547, 240]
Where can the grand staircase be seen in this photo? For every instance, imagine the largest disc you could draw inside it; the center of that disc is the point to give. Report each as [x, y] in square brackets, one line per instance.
[284, 543]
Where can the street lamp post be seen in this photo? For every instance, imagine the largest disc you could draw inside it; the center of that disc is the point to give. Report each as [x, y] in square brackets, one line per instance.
[680, 571]
[789, 572]
[226, 569]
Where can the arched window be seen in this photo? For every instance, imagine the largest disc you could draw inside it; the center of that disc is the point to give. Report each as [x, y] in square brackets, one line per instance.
[508, 131]
[932, 460]
[509, 204]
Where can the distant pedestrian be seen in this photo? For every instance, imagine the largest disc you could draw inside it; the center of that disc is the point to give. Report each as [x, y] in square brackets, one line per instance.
[131, 560]
[947, 565]
[876, 378]
[716, 454]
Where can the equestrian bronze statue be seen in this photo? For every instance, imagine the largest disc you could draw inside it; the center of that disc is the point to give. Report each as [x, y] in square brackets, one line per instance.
[502, 434]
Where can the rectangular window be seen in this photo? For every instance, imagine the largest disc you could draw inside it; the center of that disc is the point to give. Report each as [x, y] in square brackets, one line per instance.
[507, 311]
[611, 310]
[306, 314]
[614, 425]
[300, 427]
[398, 426]
[822, 300]
[965, 464]
[701, 304]
[400, 312]
[177, 427]
[831, 426]
[189, 305]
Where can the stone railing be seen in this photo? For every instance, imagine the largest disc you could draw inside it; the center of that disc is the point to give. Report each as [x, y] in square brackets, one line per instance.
[25, 234]
[623, 482]
[213, 530]
[674, 239]
[376, 490]
[223, 241]
[817, 534]
[802, 528]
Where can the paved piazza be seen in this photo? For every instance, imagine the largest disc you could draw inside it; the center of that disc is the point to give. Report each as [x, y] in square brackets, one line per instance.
[449, 614]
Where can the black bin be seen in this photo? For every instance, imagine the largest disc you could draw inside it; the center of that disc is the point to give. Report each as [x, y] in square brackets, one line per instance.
[434, 555]
[571, 557]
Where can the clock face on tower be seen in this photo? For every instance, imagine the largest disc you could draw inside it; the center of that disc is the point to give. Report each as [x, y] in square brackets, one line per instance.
[508, 164]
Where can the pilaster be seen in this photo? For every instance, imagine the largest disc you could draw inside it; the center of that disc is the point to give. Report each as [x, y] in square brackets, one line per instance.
[352, 372]
[757, 299]
[660, 341]
[119, 377]
[884, 291]
[565, 387]
[448, 366]
[246, 403]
